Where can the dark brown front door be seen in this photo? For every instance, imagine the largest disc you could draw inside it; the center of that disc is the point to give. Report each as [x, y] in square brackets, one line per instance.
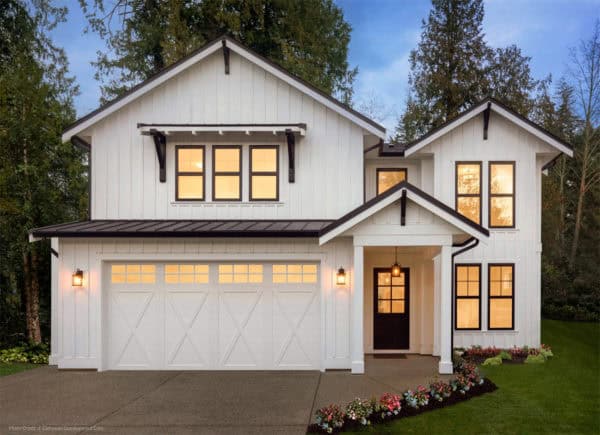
[391, 296]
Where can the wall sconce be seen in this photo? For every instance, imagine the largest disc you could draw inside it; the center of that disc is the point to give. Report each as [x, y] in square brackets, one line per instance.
[396, 270]
[340, 276]
[77, 279]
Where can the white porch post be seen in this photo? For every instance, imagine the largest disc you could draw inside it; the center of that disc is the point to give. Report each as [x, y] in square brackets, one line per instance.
[445, 365]
[356, 331]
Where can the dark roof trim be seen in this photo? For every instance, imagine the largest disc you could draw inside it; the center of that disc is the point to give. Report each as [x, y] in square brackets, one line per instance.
[183, 228]
[225, 39]
[477, 105]
[403, 185]
[79, 142]
[551, 163]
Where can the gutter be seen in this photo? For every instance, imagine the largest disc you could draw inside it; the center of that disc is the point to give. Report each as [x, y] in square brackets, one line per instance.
[467, 245]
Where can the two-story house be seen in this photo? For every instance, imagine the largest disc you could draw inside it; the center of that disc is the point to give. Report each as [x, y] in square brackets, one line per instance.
[242, 219]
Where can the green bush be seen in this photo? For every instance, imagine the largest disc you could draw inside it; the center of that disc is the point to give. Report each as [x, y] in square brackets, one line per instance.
[505, 355]
[494, 361]
[535, 359]
[26, 353]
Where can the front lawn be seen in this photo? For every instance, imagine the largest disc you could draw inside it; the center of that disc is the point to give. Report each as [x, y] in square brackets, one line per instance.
[560, 396]
[10, 368]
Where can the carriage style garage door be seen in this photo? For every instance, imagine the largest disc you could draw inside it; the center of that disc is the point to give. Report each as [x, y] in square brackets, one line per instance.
[212, 316]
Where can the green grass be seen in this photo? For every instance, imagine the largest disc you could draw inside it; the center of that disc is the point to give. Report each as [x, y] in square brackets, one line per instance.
[11, 368]
[560, 396]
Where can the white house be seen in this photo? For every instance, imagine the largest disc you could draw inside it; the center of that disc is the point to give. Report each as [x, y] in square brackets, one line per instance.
[242, 219]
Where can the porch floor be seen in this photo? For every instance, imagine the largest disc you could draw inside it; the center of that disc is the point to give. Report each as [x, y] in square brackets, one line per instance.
[382, 375]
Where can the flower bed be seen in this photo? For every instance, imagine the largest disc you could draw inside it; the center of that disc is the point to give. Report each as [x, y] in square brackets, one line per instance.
[360, 412]
[494, 356]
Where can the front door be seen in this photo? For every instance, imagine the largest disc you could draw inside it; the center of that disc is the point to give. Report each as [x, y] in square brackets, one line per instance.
[391, 309]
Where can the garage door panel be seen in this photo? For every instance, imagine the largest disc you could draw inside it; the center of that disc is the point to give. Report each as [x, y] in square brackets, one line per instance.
[136, 337]
[295, 328]
[242, 328]
[187, 329]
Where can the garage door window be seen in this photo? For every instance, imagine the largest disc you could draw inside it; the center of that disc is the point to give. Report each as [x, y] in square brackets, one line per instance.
[294, 273]
[240, 273]
[186, 273]
[133, 273]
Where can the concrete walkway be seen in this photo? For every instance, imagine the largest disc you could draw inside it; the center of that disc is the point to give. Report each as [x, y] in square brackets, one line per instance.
[50, 401]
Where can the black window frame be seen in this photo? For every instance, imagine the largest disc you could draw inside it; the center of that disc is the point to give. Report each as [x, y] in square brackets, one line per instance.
[188, 174]
[512, 297]
[456, 297]
[469, 195]
[378, 170]
[275, 173]
[502, 195]
[216, 173]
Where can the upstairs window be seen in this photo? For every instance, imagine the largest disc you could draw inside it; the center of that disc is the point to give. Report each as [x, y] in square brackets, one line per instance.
[264, 173]
[227, 178]
[502, 195]
[388, 178]
[468, 296]
[468, 190]
[189, 173]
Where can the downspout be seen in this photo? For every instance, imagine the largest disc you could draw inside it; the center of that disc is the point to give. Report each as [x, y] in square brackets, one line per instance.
[467, 247]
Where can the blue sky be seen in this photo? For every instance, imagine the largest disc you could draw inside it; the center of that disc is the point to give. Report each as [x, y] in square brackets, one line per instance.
[384, 32]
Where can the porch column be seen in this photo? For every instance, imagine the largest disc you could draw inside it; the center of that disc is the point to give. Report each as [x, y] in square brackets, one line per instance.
[356, 318]
[445, 365]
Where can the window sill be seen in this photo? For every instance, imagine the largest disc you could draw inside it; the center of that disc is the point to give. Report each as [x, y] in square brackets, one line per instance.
[225, 203]
[487, 331]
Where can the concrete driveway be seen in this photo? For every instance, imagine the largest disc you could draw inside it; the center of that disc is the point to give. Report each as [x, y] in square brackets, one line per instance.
[51, 401]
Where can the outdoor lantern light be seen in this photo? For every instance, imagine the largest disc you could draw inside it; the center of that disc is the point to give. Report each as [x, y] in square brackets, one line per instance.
[396, 267]
[340, 277]
[77, 278]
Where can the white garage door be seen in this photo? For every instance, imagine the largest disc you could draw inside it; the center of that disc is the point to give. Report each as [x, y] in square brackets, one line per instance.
[213, 316]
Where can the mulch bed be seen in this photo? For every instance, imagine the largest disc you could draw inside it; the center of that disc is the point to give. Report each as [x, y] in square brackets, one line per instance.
[406, 411]
[479, 360]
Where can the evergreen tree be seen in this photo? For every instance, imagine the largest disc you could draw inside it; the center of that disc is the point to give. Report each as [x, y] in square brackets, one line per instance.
[309, 38]
[447, 67]
[41, 179]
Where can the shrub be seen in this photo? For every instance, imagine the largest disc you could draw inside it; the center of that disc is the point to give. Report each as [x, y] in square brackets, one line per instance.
[330, 418]
[360, 410]
[26, 353]
[494, 361]
[535, 359]
[546, 351]
[505, 355]
[440, 390]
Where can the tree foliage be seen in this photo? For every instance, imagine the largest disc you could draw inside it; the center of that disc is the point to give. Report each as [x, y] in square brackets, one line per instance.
[453, 67]
[42, 181]
[309, 38]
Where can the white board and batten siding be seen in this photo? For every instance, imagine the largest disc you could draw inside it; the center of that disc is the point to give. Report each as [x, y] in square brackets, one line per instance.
[520, 245]
[84, 322]
[329, 164]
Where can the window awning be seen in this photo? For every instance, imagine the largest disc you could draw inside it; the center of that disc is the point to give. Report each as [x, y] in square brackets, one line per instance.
[195, 129]
[159, 133]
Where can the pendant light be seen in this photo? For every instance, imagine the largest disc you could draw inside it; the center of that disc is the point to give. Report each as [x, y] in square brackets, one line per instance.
[396, 270]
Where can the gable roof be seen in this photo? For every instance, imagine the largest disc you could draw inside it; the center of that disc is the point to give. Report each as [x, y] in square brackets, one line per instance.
[501, 109]
[416, 195]
[203, 52]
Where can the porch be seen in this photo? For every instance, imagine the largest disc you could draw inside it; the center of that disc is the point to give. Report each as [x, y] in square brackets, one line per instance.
[412, 311]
